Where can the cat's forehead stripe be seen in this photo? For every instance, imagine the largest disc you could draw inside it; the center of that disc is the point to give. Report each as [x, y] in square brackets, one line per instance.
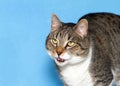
[62, 32]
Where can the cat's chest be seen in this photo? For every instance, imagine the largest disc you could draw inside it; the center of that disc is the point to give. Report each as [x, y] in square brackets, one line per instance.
[77, 75]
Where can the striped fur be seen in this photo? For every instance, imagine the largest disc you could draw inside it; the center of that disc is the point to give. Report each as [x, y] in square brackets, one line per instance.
[103, 35]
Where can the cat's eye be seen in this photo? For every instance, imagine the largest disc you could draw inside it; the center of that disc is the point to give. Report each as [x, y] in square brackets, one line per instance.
[54, 41]
[71, 43]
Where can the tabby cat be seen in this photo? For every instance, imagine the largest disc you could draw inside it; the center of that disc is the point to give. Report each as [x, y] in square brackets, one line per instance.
[86, 53]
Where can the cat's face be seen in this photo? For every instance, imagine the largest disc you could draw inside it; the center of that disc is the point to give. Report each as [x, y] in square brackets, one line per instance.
[67, 43]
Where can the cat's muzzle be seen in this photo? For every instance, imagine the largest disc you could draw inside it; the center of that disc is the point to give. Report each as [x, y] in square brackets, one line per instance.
[60, 59]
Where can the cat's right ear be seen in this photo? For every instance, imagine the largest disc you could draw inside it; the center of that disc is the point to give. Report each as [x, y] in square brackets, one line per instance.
[55, 23]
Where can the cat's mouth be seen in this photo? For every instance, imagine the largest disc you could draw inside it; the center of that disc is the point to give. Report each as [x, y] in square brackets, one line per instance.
[60, 59]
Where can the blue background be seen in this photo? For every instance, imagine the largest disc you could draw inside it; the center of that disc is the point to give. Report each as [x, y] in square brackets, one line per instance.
[24, 25]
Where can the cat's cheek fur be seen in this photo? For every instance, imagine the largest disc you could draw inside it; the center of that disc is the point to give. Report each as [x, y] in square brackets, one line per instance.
[72, 59]
[51, 54]
[69, 59]
[76, 59]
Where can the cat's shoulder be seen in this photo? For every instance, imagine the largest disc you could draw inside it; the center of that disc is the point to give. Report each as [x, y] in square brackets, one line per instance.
[100, 15]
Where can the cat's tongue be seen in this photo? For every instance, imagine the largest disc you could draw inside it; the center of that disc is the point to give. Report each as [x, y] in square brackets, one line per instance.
[60, 59]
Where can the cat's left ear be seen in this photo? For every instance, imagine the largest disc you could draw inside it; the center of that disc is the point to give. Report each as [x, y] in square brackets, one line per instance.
[55, 23]
[81, 28]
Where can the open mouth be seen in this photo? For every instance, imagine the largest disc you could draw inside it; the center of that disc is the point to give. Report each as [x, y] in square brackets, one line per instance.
[60, 59]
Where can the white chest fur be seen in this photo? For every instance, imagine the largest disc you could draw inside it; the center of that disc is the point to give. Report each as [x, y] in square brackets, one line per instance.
[78, 75]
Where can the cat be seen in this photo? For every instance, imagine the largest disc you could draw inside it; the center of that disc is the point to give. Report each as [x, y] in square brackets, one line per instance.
[86, 53]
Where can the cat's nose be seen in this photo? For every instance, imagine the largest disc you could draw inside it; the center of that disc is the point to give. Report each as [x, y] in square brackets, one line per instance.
[59, 53]
[59, 50]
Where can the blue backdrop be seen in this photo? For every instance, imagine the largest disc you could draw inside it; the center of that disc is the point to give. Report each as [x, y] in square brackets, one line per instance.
[24, 25]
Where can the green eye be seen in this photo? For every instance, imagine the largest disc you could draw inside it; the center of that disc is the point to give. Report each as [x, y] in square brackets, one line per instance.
[54, 41]
[71, 43]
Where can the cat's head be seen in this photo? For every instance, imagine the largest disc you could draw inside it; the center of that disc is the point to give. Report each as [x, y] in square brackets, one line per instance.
[67, 43]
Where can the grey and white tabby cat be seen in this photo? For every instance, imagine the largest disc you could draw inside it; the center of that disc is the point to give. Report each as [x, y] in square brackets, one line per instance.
[86, 53]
